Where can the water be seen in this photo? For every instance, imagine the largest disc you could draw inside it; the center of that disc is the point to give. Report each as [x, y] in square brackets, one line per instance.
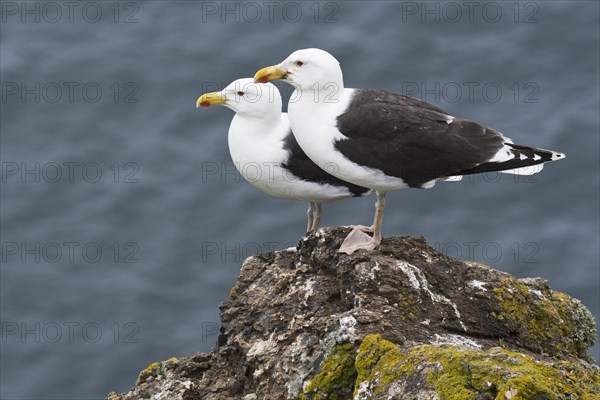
[172, 232]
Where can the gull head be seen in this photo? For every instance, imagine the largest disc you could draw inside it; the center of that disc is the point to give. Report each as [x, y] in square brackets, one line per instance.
[245, 98]
[306, 69]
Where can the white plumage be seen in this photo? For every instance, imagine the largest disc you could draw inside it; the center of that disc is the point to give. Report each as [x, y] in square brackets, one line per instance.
[266, 153]
[387, 141]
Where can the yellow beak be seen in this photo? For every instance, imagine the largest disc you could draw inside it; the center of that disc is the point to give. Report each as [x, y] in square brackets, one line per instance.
[210, 99]
[271, 73]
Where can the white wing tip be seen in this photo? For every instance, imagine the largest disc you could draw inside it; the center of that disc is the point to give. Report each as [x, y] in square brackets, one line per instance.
[455, 178]
[557, 156]
[529, 170]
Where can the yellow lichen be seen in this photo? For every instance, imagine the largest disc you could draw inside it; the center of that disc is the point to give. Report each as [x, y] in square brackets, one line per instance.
[547, 322]
[337, 376]
[539, 321]
[155, 369]
[460, 374]
[372, 348]
[113, 396]
[408, 305]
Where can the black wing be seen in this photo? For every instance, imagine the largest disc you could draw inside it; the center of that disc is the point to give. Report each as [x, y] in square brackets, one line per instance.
[304, 168]
[412, 140]
[373, 96]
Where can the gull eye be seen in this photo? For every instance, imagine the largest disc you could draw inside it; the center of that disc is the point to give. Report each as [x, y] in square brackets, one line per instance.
[299, 63]
[240, 93]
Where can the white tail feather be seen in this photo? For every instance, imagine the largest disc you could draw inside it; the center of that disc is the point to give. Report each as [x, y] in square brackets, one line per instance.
[530, 170]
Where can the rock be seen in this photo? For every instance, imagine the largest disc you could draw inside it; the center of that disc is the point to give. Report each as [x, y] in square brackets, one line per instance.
[401, 322]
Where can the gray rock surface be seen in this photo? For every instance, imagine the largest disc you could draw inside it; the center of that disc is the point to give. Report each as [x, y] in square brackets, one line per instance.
[401, 322]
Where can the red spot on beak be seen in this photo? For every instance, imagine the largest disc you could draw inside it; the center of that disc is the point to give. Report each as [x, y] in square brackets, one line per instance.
[263, 79]
[204, 104]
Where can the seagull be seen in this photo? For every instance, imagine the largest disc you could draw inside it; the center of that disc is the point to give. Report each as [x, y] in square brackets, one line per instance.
[387, 141]
[266, 153]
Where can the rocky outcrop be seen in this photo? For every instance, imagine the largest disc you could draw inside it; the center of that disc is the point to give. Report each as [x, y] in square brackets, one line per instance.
[401, 322]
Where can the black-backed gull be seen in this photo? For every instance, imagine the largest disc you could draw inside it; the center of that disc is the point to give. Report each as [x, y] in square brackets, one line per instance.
[387, 141]
[266, 153]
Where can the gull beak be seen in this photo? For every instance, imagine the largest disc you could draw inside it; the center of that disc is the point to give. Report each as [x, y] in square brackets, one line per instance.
[210, 99]
[272, 73]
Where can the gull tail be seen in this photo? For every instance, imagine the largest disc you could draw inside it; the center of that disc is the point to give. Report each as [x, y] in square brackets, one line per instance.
[516, 159]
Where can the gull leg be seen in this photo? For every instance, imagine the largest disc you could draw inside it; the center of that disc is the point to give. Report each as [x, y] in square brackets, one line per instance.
[310, 215]
[317, 212]
[378, 221]
[357, 239]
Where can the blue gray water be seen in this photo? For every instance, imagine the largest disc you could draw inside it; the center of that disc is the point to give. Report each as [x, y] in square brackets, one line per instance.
[123, 226]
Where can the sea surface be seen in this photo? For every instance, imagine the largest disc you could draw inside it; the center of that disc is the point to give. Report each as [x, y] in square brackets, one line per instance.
[124, 224]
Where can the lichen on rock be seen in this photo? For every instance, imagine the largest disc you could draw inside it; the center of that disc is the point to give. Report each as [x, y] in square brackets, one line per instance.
[457, 373]
[336, 378]
[155, 370]
[401, 322]
[549, 321]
